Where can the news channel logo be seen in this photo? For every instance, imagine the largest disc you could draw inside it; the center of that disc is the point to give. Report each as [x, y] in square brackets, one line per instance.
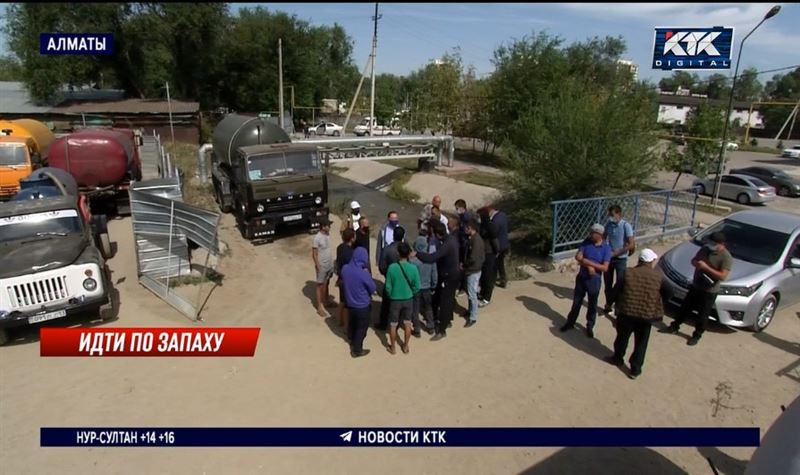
[76, 43]
[698, 49]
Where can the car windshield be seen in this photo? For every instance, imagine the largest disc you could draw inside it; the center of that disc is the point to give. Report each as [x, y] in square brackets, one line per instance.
[39, 225]
[12, 155]
[274, 165]
[749, 243]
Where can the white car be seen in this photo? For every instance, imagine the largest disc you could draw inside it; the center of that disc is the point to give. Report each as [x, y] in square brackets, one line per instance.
[732, 146]
[326, 128]
[793, 152]
[362, 129]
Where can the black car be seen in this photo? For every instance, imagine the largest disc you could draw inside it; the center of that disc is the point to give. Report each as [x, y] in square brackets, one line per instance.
[785, 185]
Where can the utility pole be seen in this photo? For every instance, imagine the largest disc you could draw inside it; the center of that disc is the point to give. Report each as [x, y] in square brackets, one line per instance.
[280, 84]
[355, 97]
[169, 105]
[372, 62]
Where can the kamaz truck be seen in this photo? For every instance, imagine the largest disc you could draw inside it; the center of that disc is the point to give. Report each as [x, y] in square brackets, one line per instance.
[267, 182]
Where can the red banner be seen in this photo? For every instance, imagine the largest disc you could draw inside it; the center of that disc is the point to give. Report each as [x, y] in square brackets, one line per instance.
[148, 341]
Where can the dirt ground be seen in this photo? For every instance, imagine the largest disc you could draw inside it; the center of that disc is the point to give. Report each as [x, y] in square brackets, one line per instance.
[512, 369]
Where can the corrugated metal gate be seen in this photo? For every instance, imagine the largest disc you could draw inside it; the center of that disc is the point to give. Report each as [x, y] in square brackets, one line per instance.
[163, 226]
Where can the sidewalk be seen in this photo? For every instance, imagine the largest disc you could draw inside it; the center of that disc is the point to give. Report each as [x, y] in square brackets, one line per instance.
[426, 185]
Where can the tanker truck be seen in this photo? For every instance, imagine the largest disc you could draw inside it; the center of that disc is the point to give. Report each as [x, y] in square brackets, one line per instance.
[267, 182]
[54, 251]
[24, 145]
[103, 163]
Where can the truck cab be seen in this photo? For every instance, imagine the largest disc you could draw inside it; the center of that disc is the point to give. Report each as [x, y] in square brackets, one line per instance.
[267, 182]
[50, 266]
[18, 158]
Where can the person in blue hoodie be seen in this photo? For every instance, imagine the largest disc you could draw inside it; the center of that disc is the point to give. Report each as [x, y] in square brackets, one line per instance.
[358, 290]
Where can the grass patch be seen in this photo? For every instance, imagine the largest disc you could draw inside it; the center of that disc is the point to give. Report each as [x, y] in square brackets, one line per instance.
[478, 157]
[411, 164]
[398, 191]
[211, 276]
[184, 156]
[477, 177]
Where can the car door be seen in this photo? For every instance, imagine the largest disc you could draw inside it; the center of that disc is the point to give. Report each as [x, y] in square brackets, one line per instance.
[729, 187]
[790, 286]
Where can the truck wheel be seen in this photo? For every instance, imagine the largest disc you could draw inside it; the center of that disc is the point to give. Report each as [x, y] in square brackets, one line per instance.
[3, 336]
[104, 244]
[221, 201]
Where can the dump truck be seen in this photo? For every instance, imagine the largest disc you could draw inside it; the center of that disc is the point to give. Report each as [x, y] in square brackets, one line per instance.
[52, 253]
[24, 145]
[265, 180]
[103, 162]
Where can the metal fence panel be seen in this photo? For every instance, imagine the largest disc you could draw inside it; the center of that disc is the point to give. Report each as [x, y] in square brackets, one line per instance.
[161, 228]
[652, 215]
[157, 216]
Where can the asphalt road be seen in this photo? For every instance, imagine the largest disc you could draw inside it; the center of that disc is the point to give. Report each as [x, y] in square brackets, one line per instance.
[748, 159]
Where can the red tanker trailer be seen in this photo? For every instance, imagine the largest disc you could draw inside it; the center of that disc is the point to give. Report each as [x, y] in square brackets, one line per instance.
[103, 162]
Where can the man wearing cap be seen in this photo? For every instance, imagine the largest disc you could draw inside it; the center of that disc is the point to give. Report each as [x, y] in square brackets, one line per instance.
[712, 265]
[639, 304]
[593, 256]
[355, 216]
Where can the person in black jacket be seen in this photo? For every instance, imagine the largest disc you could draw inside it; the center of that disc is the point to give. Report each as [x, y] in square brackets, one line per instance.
[473, 263]
[500, 222]
[362, 238]
[343, 255]
[446, 259]
[492, 247]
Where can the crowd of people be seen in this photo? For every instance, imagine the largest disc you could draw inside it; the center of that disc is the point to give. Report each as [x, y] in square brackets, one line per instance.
[421, 277]
[466, 254]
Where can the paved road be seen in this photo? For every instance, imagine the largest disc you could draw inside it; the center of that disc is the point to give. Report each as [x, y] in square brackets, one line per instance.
[748, 159]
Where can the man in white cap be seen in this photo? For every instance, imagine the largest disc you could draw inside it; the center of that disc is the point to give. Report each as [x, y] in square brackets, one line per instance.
[593, 256]
[640, 304]
[355, 216]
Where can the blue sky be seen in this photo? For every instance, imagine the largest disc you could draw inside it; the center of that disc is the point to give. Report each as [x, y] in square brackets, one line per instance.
[411, 34]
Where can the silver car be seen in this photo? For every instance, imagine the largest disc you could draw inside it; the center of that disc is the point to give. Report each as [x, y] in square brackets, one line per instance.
[743, 189]
[765, 246]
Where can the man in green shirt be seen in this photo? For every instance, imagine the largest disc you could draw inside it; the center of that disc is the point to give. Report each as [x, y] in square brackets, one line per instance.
[402, 284]
[712, 265]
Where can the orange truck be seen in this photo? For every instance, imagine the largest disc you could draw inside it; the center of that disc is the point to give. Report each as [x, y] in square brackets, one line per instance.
[24, 144]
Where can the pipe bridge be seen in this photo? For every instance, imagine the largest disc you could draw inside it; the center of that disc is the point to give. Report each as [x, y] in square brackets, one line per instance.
[334, 150]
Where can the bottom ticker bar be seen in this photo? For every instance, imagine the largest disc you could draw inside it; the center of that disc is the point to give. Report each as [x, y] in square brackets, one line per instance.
[399, 437]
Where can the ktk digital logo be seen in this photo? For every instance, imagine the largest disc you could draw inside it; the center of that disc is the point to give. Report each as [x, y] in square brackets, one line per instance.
[693, 48]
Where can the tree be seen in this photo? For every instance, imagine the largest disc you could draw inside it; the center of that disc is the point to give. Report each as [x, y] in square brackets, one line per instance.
[748, 87]
[781, 88]
[435, 91]
[10, 69]
[700, 155]
[678, 79]
[203, 51]
[716, 86]
[579, 142]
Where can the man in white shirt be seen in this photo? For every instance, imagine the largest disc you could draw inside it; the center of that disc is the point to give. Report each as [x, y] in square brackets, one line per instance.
[355, 215]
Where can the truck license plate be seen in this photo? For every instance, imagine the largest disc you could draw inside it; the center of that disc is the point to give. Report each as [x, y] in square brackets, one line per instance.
[293, 217]
[47, 316]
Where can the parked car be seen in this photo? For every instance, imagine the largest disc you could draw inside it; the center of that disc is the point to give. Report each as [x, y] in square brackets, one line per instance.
[793, 152]
[326, 128]
[743, 189]
[732, 146]
[776, 178]
[765, 246]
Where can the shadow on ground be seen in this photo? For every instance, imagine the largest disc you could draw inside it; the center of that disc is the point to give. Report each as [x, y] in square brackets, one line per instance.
[590, 461]
[575, 338]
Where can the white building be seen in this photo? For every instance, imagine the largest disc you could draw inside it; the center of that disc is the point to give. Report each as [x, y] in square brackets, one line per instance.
[674, 109]
[632, 66]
